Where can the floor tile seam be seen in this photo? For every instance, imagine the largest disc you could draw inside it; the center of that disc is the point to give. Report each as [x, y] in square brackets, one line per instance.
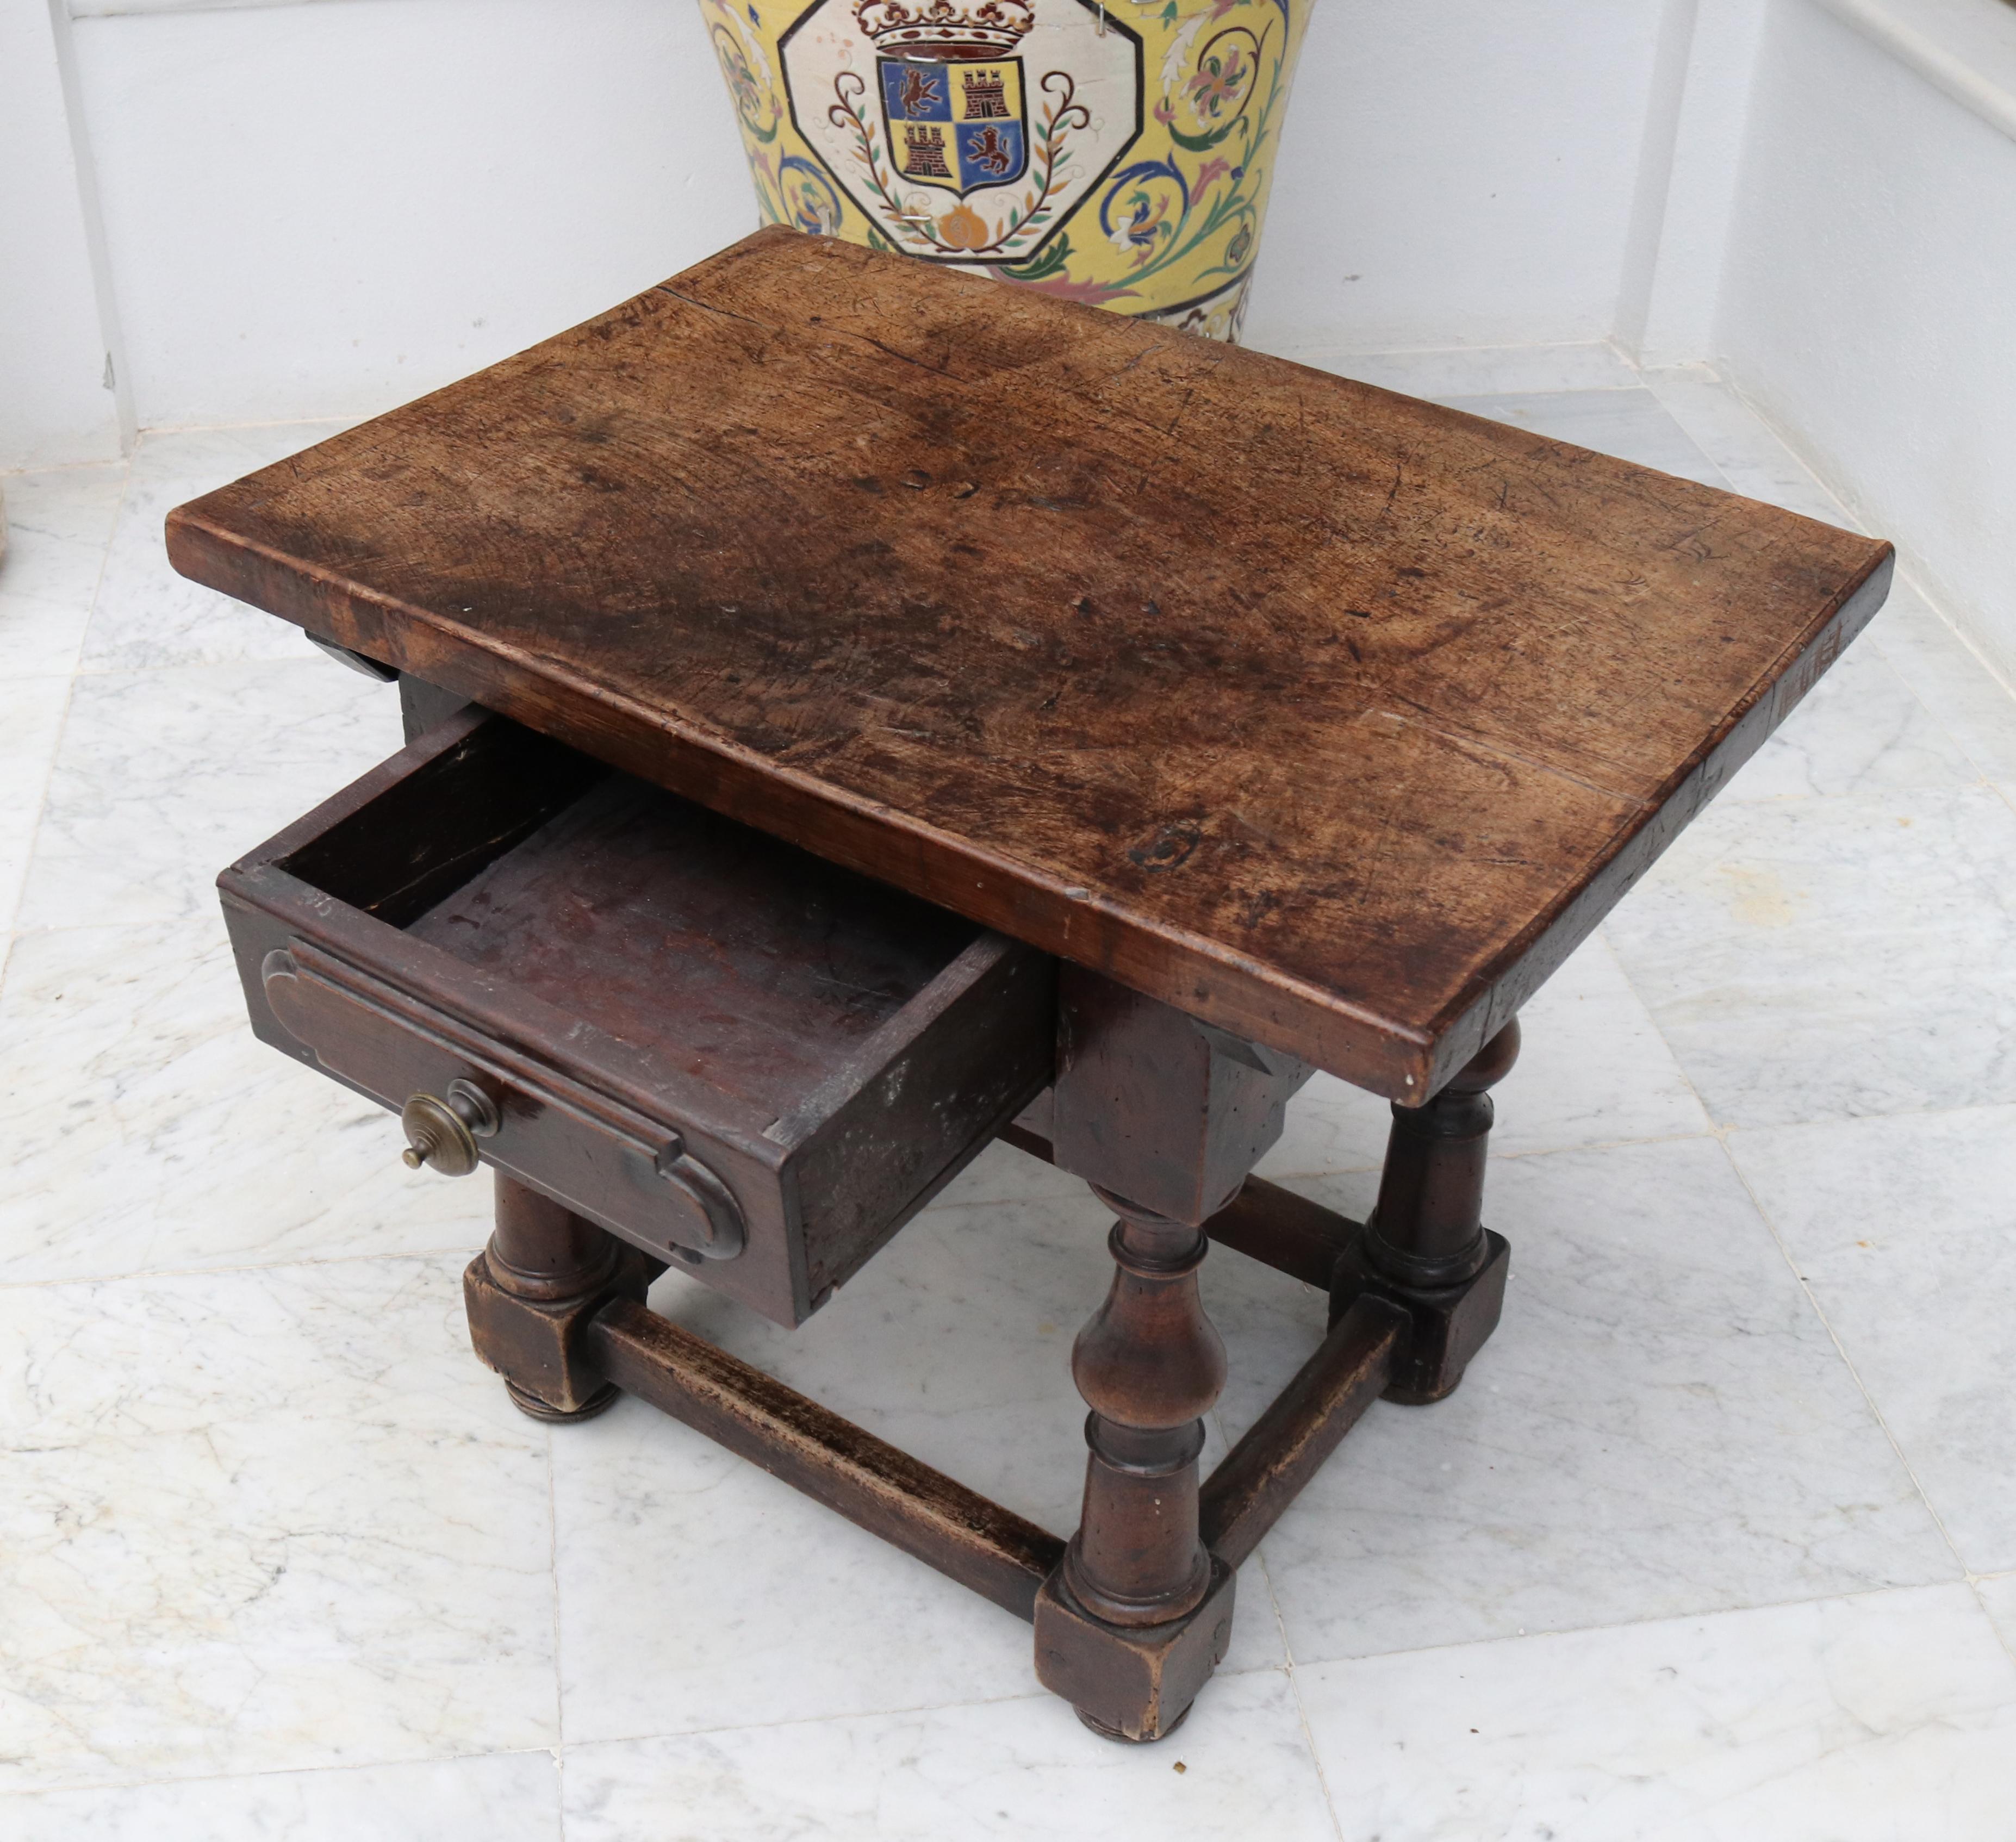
[1499, 1156]
[155, 431]
[1657, 382]
[1852, 520]
[105, 547]
[1603, 343]
[1713, 1129]
[2006, 1639]
[1258, 1563]
[1898, 653]
[1572, 390]
[122, 460]
[19, 935]
[646, 1737]
[1872, 796]
[1036, 1697]
[463, 1251]
[1707, 1132]
[90, 1786]
[1736, 796]
[36, 928]
[1857, 1594]
[1848, 1362]
[1986, 665]
[307, 655]
[554, 1571]
[32, 840]
[1715, 459]
[1315, 1756]
[1716, 1127]
[1848, 1119]
[1932, 715]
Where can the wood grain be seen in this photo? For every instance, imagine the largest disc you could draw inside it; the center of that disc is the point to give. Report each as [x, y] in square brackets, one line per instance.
[1332, 717]
[664, 1009]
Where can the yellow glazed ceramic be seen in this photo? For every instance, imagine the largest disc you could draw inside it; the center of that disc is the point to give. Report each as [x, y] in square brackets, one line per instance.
[1116, 153]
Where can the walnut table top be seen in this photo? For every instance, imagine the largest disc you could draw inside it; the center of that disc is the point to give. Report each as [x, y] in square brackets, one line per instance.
[1330, 717]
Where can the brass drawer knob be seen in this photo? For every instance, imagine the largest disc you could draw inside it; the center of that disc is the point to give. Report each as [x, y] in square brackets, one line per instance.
[443, 1132]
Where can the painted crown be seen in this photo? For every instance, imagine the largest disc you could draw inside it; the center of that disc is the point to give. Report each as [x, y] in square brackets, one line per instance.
[983, 31]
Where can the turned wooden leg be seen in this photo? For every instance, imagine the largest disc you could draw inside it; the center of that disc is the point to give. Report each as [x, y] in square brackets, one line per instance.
[1139, 1613]
[1425, 1246]
[1150, 1365]
[532, 1290]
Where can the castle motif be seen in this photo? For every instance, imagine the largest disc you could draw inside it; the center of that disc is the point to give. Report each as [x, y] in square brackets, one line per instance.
[952, 104]
[984, 95]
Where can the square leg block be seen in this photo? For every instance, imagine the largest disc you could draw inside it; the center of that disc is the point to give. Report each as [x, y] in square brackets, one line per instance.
[1131, 1682]
[1450, 1323]
[538, 1346]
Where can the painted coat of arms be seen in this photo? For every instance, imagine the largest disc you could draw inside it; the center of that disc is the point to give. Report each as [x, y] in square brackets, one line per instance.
[958, 125]
[965, 130]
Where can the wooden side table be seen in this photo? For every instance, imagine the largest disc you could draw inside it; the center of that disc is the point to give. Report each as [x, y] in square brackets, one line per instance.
[1237, 720]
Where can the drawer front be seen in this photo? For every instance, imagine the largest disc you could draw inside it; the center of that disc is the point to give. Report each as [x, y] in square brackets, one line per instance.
[637, 1175]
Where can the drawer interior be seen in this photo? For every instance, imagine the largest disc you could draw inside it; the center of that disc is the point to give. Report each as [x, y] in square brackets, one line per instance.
[740, 961]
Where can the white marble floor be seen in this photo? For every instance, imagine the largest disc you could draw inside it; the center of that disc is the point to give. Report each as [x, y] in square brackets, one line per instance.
[1718, 1541]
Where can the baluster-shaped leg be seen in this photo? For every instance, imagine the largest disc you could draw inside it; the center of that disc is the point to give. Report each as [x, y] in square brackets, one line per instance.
[1139, 1613]
[545, 1272]
[1426, 1247]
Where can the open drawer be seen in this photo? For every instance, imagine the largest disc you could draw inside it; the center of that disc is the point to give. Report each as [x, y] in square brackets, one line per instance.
[716, 1045]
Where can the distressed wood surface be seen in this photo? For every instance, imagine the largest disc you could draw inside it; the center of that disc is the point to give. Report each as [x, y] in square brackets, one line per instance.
[663, 1008]
[1330, 717]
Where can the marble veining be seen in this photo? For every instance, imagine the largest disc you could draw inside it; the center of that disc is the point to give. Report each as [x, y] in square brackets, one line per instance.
[1881, 1718]
[32, 713]
[163, 777]
[1998, 1599]
[265, 1519]
[1905, 1228]
[1860, 729]
[176, 1139]
[146, 615]
[278, 1561]
[1009, 1769]
[1592, 1070]
[58, 524]
[502, 1798]
[1950, 678]
[1628, 423]
[1822, 959]
[953, 1343]
[1661, 1425]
